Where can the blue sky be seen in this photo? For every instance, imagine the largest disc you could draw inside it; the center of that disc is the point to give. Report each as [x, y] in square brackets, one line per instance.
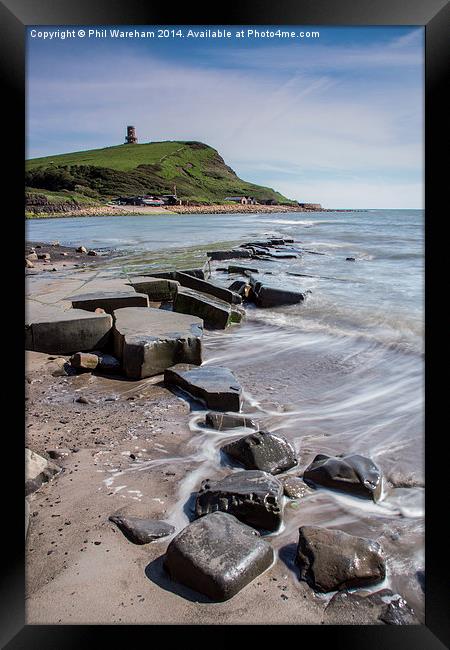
[336, 120]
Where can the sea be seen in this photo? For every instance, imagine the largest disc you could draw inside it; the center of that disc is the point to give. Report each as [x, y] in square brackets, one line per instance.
[340, 373]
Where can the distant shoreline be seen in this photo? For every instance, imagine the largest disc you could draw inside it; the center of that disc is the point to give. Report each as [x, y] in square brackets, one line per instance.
[121, 211]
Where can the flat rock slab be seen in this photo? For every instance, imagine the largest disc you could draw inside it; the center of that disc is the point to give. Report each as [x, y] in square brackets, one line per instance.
[229, 255]
[142, 531]
[215, 313]
[171, 275]
[253, 497]
[224, 421]
[157, 289]
[109, 300]
[330, 560]
[381, 607]
[217, 556]
[216, 387]
[209, 288]
[262, 450]
[354, 474]
[147, 341]
[100, 285]
[53, 330]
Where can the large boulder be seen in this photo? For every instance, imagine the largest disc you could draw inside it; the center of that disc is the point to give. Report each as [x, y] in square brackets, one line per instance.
[157, 289]
[142, 531]
[209, 288]
[217, 556]
[330, 560]
[378, 608]
[147, 341]
[253, 497]
[38, 470]
[262, 450]
[51, 329]
[109, 301]
[215, 313]
[224, 421]
[354, 474]
[267, 296]
[216, 387]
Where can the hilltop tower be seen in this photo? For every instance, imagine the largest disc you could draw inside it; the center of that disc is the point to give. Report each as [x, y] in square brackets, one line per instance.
[131, 135]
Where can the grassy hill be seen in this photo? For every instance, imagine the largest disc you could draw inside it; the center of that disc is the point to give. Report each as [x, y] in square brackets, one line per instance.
[197, 170]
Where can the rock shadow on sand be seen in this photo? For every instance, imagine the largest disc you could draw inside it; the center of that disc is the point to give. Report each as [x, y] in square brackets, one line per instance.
[156, 573]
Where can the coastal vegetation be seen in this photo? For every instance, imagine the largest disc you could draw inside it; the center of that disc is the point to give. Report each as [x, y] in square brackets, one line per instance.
[93, 177]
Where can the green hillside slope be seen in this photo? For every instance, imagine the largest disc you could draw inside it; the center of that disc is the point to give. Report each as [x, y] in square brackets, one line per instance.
[197, 170]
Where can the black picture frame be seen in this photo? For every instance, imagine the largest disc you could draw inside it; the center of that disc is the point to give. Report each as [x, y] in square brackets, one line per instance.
[15, 16]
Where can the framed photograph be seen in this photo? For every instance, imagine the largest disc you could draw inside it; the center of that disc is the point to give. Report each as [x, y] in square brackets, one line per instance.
[227, 264]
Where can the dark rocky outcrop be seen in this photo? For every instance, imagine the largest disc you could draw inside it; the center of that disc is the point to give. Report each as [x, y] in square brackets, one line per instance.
[206, 287]
[216, 387]
[266, 296]
[215, 313]
[354, 474]
[142, 531]
[156, 289]
[381, 607]
[224, 421]
[331, 560]
[217, 556]
[229, 255]
[147, 341]
[253, 497]
[268, 452]
[171, 275]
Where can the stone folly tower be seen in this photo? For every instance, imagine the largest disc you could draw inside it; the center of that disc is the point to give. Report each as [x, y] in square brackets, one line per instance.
[131, 135]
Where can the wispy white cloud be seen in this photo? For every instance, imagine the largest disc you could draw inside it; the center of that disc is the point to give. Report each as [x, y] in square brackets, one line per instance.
[320, 122]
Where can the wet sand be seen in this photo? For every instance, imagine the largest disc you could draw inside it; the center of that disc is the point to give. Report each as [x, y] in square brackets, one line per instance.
[80, 568]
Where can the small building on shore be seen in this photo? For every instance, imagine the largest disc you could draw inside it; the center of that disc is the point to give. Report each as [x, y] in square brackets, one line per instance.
[243, 200]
